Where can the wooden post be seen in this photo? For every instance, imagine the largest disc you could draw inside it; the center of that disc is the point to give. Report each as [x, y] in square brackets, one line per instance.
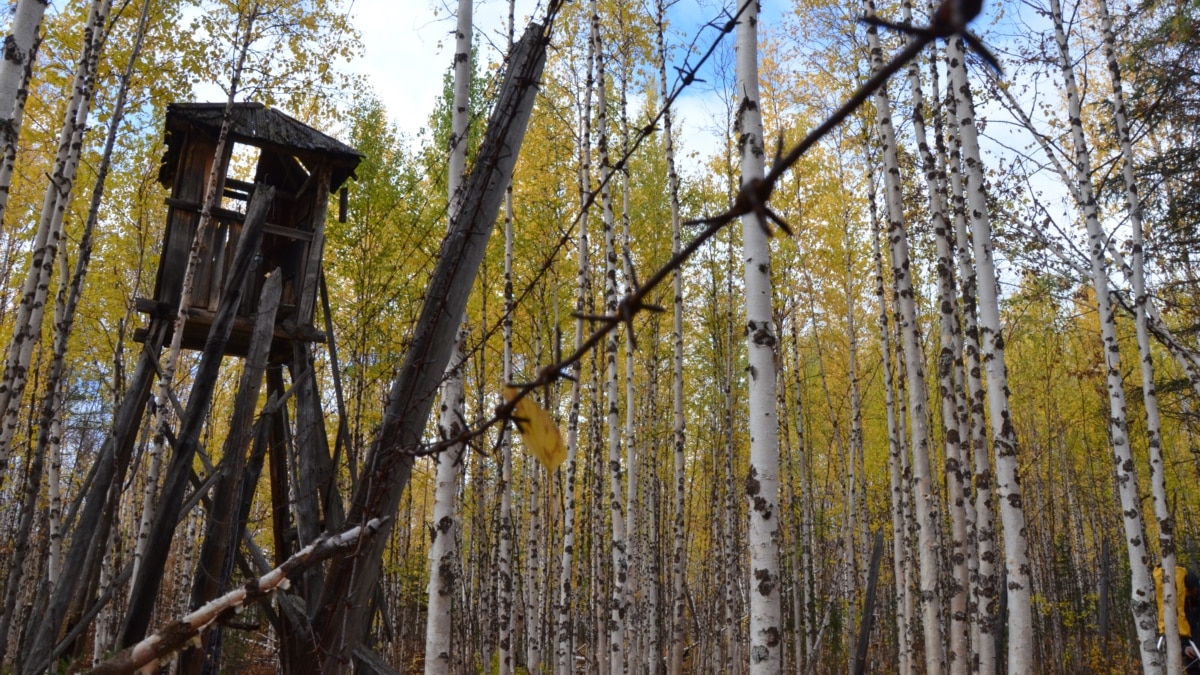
[215, 553]
[111, 464]
[145, 586]
[868, 614]
[341, 619]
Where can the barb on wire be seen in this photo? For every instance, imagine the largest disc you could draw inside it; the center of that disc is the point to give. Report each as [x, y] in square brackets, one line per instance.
[949, 20]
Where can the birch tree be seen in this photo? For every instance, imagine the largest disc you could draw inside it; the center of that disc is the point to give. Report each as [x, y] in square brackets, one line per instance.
[1133, 206]
[914, 368]
[762, 479]
[443, 554]
[564, 656]
[678, 420]
[959, 644]
[1142, 589]
[991, 338]
[20, 48]
[58, 193]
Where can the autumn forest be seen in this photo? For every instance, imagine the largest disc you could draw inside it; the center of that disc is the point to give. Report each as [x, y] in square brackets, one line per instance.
[902, 374]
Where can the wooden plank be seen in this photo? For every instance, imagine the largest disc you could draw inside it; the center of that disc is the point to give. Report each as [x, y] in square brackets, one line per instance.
[306, 303]
[146, 584]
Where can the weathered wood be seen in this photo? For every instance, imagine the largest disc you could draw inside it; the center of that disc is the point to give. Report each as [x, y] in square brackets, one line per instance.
[179, 633]
[145, 585]
[342, 438]
[342, 617]
[312, 266]
[111, 465]
[868, 613]
[215, 561]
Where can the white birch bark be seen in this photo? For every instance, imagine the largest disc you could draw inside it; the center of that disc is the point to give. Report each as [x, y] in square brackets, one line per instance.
[678, 422]
[914, 368]
[762, 480]
[616, 609]
[504, 555]
[635, 578]
[1133, 206]
[20, 48]
[897, 480]
[984, 594]
[564, 653]
[28, 325]
[1142, 602]
[1008, 489]
[958, 656]
[443, 553]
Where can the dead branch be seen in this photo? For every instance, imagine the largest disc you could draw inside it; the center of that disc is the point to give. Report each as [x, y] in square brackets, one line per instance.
[180, 633]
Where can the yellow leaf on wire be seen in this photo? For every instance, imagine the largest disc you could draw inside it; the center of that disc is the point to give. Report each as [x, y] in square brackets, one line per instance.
[538, 431]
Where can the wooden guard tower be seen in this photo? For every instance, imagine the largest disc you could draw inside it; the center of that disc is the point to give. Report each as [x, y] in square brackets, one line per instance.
[303, 165]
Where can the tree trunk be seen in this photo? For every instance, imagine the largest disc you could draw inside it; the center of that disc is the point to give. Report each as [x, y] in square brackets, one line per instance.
[1162, 511]
[898, 481]
[1012, 514]
[959, 656]
[914, 369]
[762, 480]
[678, 423]
[28, 326]
[1142, 602]
[340, 622]
[20, 48]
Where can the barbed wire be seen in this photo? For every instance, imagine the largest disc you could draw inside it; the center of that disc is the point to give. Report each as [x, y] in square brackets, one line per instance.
[949, 21]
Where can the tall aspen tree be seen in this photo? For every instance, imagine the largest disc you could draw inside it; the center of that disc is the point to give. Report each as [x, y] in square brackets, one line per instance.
[504, 554]
[1133, 206]
[1142, 602]
[991, 338]
[616, 610]
[28, 326]
[443, 553]
[914, 369]
[984, 594]
[958, 656]
[762, 479]
[16, 66]
[897, 480]
[678, 421]
[564, 647]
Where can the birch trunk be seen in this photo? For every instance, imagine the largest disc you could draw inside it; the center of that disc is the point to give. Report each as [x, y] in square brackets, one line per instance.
[1133, 206]
[678, 424]
[897, 480]
[984, 593]
[28, 325]
[958, 656]
[564, 650]
[1012, 514]
[1142, 603]
[762, 480]
[914, 369]
[504, 555]
[443, 553]
[635, 579]
[20, 48]
[616, 608]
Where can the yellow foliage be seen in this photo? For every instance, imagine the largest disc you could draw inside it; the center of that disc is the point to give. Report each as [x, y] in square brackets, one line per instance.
[538, 431]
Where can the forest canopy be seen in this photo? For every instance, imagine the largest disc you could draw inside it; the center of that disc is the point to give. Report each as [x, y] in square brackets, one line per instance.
[900, 374]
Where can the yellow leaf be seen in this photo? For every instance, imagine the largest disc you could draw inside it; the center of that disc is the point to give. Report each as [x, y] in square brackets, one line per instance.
[538, 431]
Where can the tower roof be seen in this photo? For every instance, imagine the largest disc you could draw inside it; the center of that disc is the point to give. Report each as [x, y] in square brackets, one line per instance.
[267, 128]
